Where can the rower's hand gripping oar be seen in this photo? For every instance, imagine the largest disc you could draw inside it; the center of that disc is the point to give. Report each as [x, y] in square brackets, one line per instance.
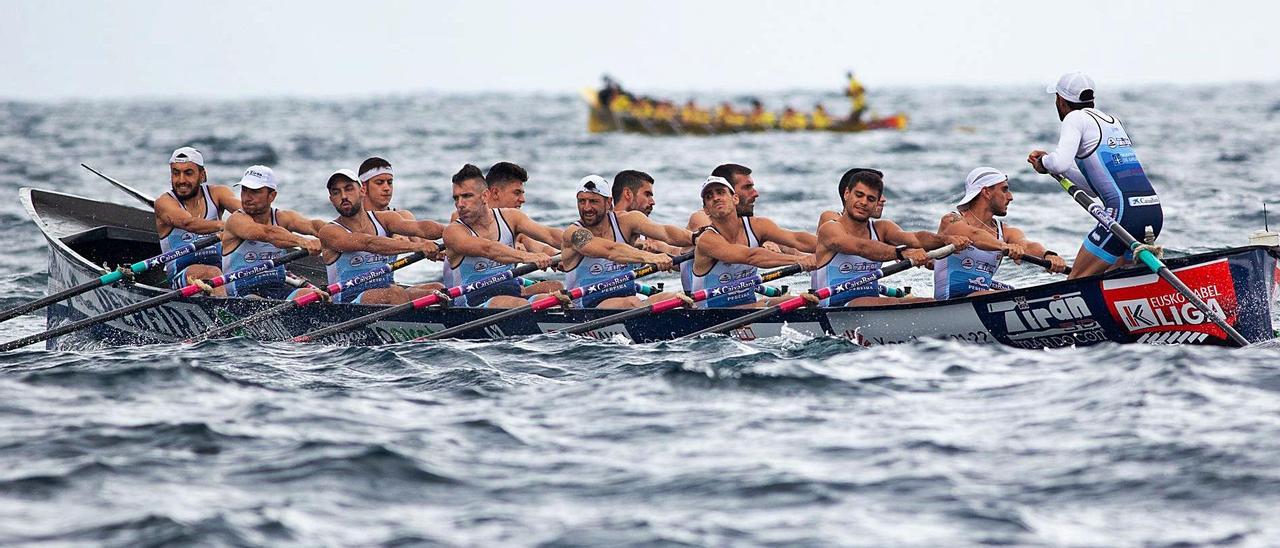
[818, 294]
[677, 302]
[304, 300]
[126, 188]
[158, 300]
[112, 277]
[1146, 257]
[553, 300]
[421, 302]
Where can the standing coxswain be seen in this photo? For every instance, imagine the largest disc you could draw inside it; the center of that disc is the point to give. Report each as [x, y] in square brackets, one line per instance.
[191, 208]
[856, 245]
[482, 243]
[1094, 150]
[973, 270]
[358, 241]
[731, 247]
[258, 232]
[600, 246]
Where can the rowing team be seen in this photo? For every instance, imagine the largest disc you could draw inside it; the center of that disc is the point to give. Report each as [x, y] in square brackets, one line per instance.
[613, 234]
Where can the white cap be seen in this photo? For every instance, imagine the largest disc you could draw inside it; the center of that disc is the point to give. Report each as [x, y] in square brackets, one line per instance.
[1075, 87]
[349, 174]
[713, 180]
[979, 179]
[594, 184]
[258, 177]
[187, 154]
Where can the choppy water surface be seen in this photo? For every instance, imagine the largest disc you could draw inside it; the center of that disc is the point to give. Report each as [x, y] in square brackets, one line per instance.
[560, 441]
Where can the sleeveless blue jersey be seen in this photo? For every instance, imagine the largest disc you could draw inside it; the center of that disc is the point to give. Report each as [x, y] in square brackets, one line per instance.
[721, 274]
[474, 269]
[177, 237]
[350, 264]
[269, 284]
[591, 270]
[843, 267]
[968, 270]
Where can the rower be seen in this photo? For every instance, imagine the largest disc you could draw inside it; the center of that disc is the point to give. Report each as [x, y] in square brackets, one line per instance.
[730, 248]
[876, 212]
[632, 190]
[855, 245]
[191, 208]
[377, 179]
[258, 232]
[505, 189]
[1111, 172]
[744, 190]
[358, 241]
[599, 246]
[973, 270]
[482, 243]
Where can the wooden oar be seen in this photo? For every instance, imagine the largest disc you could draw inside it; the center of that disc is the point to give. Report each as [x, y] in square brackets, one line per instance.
[128, 189]
[1146, 256]
[420, 302]
[304, 300]
[553, 300]
[822, 293]
[112, 277]
[158, 300]
[677, 302]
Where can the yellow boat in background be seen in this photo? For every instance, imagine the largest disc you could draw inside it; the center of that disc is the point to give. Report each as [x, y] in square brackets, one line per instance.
[666, 119]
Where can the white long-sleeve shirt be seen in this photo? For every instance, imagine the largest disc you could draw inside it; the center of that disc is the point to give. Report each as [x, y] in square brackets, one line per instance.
[1080, 135]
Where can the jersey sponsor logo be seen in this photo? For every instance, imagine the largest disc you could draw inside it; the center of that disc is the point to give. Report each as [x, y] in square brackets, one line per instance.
[1114, 142]
[1147, 304]
[1136, 201]
[356, 260]
[967, 263]
[596, 268]
[1058, 320]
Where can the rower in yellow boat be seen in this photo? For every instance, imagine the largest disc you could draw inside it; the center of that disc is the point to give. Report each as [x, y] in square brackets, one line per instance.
[793, 120]
[727, 117]
[643, 108]
[821, 120]
[691, 114]
[761, 118]
[620, 103]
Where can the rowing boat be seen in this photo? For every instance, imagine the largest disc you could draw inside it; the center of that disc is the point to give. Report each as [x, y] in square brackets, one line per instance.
[602, 120]
[1127, 306]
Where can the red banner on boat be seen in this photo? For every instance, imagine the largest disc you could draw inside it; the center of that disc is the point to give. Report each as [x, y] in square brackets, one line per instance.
[1150, 307]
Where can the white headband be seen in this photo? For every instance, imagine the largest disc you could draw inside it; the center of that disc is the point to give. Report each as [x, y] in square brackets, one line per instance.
[374, 172]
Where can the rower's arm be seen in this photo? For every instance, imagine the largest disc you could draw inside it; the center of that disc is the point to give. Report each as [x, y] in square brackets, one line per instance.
[769, 231]
[670, 234]
[715, 246]
[295, 222]
[584, 242]
[242, 226]
[522, 224]
[535, 246]
[833, 237]
[826, 217]
[224, 197]
[1016, 236]
[397, 224]
[336, 238]
[171, 213]
[923, 239]
[461, 243]
[697, 220]
[981, 239]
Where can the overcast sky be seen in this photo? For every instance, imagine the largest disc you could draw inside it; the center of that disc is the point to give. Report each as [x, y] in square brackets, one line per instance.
[83, 49]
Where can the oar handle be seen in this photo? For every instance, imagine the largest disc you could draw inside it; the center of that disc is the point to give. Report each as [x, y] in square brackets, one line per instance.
[1042, 263]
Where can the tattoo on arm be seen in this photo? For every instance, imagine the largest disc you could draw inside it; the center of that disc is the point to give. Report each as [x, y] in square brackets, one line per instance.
[580, 238]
